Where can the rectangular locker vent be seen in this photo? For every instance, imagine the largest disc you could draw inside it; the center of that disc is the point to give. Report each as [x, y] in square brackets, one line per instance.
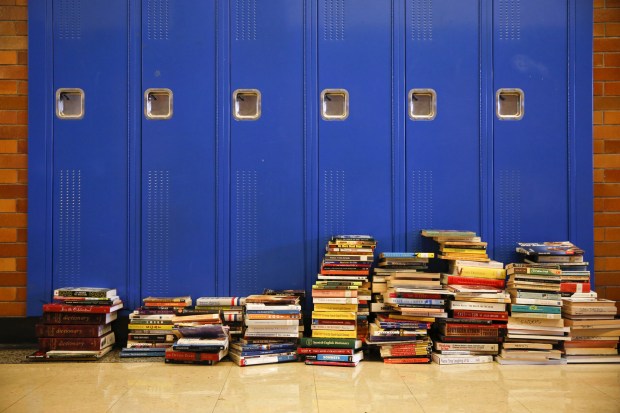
[69, 227]
[509, 19]
[245, 19]
[157, 19]
[246, 237]
[157, 232]
[421, 19]
[333, 13]
[509, 215]
[421, 204]
[334, 211]
[70, 19]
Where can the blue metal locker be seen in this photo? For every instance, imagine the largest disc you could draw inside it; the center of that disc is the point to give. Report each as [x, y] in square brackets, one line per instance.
[443, 146]
[355, 119]
[178, 147]
[267, 138]
[530, 123]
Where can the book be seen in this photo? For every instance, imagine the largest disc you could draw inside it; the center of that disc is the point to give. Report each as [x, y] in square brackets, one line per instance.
[331, 363]
[72, 330]
[452, 279]
[68, 355]
[85, 292]
[220, 301]
[559, 248]
[82, 318]
[485, 315]
[330, 342]
[407, 360]
[82, 343]
[265, 359]
[453, 359]
[91, 309]
[476, 306]
[195, 355]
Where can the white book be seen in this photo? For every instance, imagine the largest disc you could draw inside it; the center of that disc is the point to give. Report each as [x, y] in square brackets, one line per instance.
[464, 359]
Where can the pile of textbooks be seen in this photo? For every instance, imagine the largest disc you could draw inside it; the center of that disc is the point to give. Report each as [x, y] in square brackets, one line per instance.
[477, 309]
[199, 344]
[301, 294]
[272, 330]
[414, 299]
[342, 352]
[594, 329]
[230, 310]
[78, 324]
[151, 326]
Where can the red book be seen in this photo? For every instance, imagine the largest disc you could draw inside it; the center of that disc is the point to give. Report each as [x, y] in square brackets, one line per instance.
[91, 344]
[316, 350]
[343, 272]
[417, 295]
[331, 363]
[78, 318]
[407, 360]
[320, 321]
[574, 287]
[71, 330]
[194, 355]
[63, 308]
[483, 315]
[453, 279]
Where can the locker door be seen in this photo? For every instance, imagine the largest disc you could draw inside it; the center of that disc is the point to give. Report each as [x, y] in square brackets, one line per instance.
[90, 181]
[178, 147]
[530, 152]
[355, 145]
[266, 145]
[443, 119]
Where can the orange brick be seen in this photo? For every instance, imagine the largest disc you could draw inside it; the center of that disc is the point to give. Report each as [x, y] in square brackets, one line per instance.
[22, 88]
[612, 3]
[13, 220]
[599, 264]
[8, 87]
[599, 190]
[599, 131]
[598, 204]
[600, 219]
[607, 249]
[8, 294]
[612, 293]
[22, 176]
[22, 58]
[606, 15]
[22, 235]
[606, 45]
[599, 4]
[21, 264]
[8, 235]
[611, 205]
[599, 30]
[612, 29]
[600, 73]
[611, 175]
[612, 146]
[597, 118]
[599, 234]
[22, 205]
[612, 59]
[612, 88]
[19, 161]
[600, 103]
[13, 250]
[8, 57]
[8, 205]
[8, 176]
[13, 13]
[21, 2]
[606, 160]
[13, 279]
[21, 294]
[7, 28]
[8, 264]
[13, 132]
[8, 146]
[612, 234]
[9, 309]
[22, 146]
[598, 147]
[598, 88]
[21, 102]
[610, 117]
[21, 28]
[607, 278]
[21, 72]
[599, 175]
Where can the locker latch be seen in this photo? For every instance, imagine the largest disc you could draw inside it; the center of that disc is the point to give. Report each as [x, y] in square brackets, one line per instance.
[334, 104]
[158, 103]
[246, 104]
[422, 104]
[70, 103]
[510, 104]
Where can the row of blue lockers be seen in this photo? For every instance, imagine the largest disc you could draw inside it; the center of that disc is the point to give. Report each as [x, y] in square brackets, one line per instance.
[212, 146]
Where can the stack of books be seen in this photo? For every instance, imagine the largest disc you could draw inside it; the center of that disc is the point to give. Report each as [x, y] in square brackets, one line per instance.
[301, 294]
[272, 330]
[78, 324]
[343, 352]
[458, 244]
[230, 310]
[348, 261]
[594, 330]
[199, 344]
[151, 326]
[414, 299]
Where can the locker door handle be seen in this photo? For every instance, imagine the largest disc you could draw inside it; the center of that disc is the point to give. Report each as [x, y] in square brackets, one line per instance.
[158, 103]
[334, 104]
[422, 104]
[246, 104]
[70, 103]
[510, 104]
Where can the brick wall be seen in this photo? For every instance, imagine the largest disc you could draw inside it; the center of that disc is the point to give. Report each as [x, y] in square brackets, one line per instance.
[13, 155]
[607, 147]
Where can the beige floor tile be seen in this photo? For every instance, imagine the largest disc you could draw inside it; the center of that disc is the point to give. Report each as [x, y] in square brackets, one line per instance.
[284, 404]
[138, 402]
[479, 404]
[569, 403]
[361, 406]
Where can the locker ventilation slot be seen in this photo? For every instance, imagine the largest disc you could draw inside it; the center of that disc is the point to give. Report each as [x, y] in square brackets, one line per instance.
[421, 204]
[157, 232]
[70, 20]
[333, 13]
[245, 19]
[421, 19]
[508, 230]
[334, 184]
[510, 20]
[245, 269]
[157, 19]
[69, 227]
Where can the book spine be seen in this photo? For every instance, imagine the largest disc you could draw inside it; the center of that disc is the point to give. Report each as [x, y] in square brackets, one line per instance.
[467, 305]
[475, 281]
[82, 293]
[335, 357]
[492, 273]
[328, 342]
[471, 331]
[334, 293]
[90, 309]
[335, 307]
[250, 322]
[462, 360]
[244, 361]
[68, 330]
[191, 356]
[220, 301]
[141, 326]
[333, 334]
[485, 315]
[337, 327]
[303, 350]
[567, 287]
[334, 300]
[329, 363]
[521, 308]
[415, 301]
[69, 318]
[407, 360]
[466, 346]
[73, 344]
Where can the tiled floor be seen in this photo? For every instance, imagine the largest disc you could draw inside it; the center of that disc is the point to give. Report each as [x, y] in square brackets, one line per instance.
[294, 387]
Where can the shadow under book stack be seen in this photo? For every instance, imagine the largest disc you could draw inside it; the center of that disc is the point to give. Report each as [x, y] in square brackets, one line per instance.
[477, 310]
[151, 326]
[415, 300]
[272, 330]
[78, 324]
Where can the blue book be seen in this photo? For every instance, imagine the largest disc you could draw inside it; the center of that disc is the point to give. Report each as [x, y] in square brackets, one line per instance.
[523, 308]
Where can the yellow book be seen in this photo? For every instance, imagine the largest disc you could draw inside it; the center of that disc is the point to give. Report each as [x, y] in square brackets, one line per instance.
[335, 307]
[479, 272]
[334, 334]
[334, 315]
[150, 326]
[465, 250]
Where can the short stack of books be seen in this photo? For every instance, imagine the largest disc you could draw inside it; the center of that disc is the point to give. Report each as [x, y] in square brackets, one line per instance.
[199, 344]
[272, 323]
[458, 244]
[77, 325]
[343, 352]
[594, 330]
[348, 260]
[415, 299]
[301, 294]
[151, 326]
[230, 310]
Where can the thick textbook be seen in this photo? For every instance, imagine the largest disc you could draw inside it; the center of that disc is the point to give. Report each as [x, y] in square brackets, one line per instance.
[85, 292]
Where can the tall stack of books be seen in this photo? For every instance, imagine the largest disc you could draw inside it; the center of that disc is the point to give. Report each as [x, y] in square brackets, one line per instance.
[151, 326]
[594, 330]
[272, 330]
[477, 311]
[348, 260]
[200, 343]
[77, 325]
[230, 310]
[415, 300]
